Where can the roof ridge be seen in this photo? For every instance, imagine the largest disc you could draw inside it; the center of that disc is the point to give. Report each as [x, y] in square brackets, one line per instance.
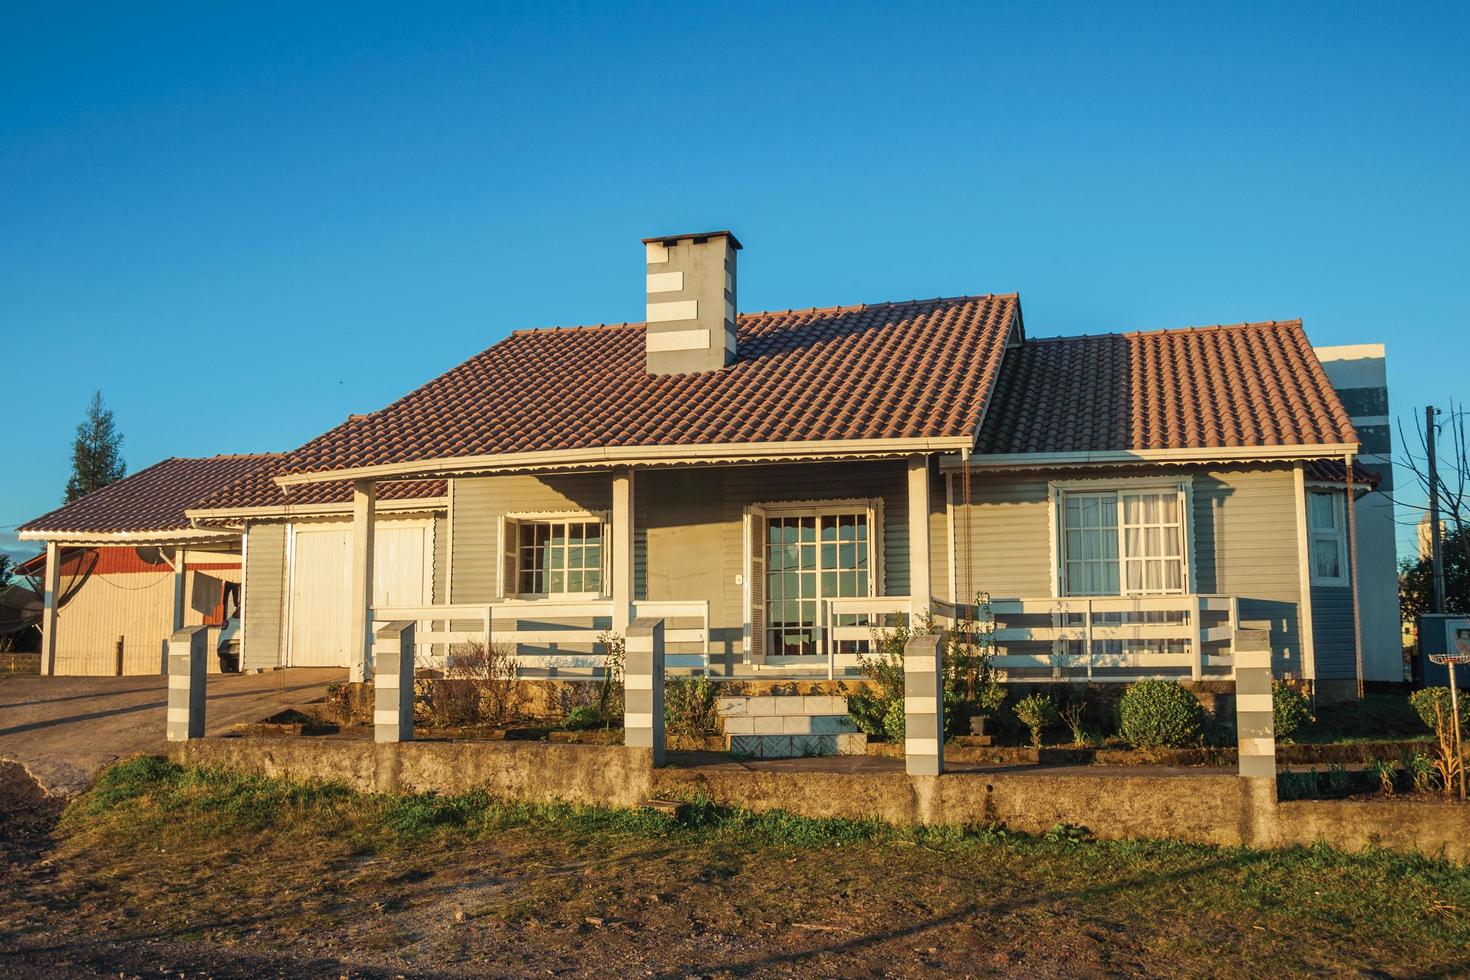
[791, 309]
[1164, 331]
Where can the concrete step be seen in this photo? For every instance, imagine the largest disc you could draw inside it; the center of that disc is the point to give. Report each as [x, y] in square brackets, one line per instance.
[789, 725]
[781, 705]
[797, 746]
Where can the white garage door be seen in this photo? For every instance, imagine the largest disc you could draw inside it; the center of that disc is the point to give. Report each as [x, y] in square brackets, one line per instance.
[321, 584]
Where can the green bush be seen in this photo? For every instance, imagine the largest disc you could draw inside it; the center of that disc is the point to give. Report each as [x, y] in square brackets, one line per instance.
[1036, 712]
[1424, 703]
[894, 721]
[582, 717]
[1290, 709]
[868, 711]
[1160, 714]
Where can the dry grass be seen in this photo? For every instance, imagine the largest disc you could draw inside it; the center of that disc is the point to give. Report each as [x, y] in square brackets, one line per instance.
[212, 868]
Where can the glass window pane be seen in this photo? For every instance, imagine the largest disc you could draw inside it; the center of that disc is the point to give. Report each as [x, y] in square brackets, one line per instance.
[829, 555]
[1325, 558]
[556, 582]
[829, 528]
[574, 581]
[1321, 512]
[829, 584]
[593, 581]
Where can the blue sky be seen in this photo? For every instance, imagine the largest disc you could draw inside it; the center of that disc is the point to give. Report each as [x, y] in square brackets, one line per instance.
[243, 223]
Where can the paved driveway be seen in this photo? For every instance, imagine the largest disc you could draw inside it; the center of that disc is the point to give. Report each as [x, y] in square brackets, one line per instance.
[63, 729]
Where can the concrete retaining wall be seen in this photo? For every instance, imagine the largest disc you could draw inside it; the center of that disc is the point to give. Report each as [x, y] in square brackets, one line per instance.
[1194, 807]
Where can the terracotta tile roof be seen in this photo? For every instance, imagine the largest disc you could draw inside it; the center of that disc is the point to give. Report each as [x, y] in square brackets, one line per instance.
[1247, 385]
[1333, 471]
[259, 489]
[153, 499]
[894, 370]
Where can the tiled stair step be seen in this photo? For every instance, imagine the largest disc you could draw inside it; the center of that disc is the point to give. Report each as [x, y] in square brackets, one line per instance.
[797, 746]
[781, 705]
[789, 725]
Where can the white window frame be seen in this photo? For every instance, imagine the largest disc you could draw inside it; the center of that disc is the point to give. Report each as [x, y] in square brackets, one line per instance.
[1336, 534]
[872, 507]
[513, 522]
[1057, 493]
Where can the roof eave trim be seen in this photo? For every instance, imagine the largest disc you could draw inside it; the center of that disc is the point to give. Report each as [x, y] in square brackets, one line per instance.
[601, 456]
[1241, 454]
[102, 538]
[313, 510]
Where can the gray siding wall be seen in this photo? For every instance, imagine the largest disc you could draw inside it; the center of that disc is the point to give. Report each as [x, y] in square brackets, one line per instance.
[689, 528]
[441, 558]
[1332, 632]
[1245, 541]
[265, 596]
[479, 503]
[1246, 545]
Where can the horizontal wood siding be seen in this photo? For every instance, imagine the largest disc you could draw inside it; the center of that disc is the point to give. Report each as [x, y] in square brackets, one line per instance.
[1245, 540]
[1246, 545]
[479, 503]
[1332, 632]
[265, 597]
[1010, 551]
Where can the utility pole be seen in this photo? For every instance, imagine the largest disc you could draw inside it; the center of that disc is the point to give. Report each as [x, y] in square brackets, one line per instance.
[1436, 561]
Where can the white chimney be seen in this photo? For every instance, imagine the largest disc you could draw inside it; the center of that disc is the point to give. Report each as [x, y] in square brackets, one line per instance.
[691, 302]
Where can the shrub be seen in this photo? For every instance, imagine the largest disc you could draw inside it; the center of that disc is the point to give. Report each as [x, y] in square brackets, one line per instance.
[1160, 714]
[1290, 709]
[868, 711]
[1036, 712]
[894, 722]
[689, 706]
[1387, 773]
[1425, 701]
[610, 698]
[582, 717]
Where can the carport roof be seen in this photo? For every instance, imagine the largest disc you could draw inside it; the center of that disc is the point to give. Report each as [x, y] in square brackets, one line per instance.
[151, 501]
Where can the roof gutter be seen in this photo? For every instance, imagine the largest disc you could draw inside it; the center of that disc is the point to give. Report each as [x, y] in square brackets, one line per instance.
[606, 456]
[313, 510]
[105, 538]
[1224, 454]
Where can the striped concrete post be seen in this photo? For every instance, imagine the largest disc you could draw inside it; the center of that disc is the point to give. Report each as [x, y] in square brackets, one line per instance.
[1255, 724]
[923, 705]
[393, 683]
[643, 687]
[188, 664]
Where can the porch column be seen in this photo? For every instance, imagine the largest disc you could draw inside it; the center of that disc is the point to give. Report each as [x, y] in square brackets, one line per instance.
[393, 683]
[181, 581]
[923, 705]
[1255, 722]
[188, 664]
[49, 610]
[621, 554]
[643, 687]
[920, 588]
[360, 633]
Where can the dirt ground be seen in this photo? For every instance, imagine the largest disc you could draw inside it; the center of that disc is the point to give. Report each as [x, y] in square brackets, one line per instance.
[167, 873]
[64, 729]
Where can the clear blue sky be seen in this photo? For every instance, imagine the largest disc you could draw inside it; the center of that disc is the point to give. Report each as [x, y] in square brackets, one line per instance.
[244, 223]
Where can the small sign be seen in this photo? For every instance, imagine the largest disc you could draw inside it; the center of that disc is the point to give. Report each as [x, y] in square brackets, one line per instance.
[1459, 652]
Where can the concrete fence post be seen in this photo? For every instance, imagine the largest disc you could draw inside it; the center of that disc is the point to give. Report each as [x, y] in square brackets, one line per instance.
[393, 653]
[643, 687]
[1255, 724]
[188, 663]
[923, 705]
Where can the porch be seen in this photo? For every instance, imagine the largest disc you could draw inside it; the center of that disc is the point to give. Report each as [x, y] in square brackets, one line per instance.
[771, 572]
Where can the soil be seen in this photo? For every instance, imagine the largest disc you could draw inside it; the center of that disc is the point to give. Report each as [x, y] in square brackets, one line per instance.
[147, 893]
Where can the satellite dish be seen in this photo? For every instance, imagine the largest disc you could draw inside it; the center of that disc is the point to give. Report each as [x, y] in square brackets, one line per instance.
[150, 554]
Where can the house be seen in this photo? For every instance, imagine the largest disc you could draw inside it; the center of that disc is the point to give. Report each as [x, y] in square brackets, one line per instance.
[773, 484]
[124, 568]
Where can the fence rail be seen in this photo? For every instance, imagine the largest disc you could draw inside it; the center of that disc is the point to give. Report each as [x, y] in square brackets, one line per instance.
[551, 638]
[1136, 635]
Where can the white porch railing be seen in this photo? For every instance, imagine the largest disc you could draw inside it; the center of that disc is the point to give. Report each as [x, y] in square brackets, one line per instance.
[1099, 637]
[550, 637]
[1129, 636]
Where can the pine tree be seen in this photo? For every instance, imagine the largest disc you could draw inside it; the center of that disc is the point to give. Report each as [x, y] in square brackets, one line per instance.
[96, 456]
